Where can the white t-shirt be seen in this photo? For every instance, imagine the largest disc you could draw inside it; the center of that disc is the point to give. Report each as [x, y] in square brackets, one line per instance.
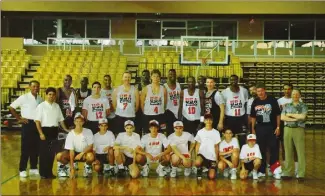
[181, 142]
[96, 108]
[125, 102]
[154, 104]
[108, 95]
[235, 102]
[132, 141]
[102, 141]
[28, 104]
[191, 105]
[78, 142]
[208, 140]
[173, 98]
[247, 152]
[225, 147]
[249, 105]
[152, 145]
[48, 114]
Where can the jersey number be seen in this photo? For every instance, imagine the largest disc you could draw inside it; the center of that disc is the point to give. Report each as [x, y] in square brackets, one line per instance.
[68, 112]
[156, 110]
[125, 105]
[237, 112]
[191, 110]
[99, 115]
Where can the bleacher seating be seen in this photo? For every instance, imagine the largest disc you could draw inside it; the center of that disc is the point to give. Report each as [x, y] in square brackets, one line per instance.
[307, 77]
[93, 64]
[13, 65]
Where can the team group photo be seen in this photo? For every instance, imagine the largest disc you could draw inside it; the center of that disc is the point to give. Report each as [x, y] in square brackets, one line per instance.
[201, 104]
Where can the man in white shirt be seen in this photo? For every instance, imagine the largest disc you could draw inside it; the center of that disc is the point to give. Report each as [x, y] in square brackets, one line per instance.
[47, 119]
[155, 149]
[79, 144]
[250, 158]
[29, 135]
[103, 145]
[207, 148]
[126, 148]
[229, 154]
[95, 107]
[178, 141]
[235, 98]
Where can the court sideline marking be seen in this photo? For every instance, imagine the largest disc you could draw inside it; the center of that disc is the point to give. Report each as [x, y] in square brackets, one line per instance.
[8, 179]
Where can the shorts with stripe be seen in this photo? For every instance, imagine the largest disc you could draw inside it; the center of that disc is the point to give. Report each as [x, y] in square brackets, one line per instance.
[208, 163]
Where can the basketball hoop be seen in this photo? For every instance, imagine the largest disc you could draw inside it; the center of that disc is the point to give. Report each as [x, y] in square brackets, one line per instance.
[204, 62]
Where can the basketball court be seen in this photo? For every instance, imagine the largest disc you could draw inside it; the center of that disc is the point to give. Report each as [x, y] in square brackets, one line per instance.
[12, 184]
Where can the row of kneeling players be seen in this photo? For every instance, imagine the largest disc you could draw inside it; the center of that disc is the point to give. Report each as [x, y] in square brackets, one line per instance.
[128, 153]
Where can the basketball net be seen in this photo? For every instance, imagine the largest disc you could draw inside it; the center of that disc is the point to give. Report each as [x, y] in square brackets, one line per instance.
[204, 63]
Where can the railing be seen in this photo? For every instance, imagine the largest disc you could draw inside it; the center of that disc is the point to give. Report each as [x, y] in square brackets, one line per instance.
[242, 48]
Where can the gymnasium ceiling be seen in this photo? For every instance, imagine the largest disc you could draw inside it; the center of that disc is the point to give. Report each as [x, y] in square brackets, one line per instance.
[181, 6]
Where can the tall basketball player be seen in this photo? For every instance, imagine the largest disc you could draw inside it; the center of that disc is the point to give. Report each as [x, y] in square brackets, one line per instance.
[107, 91]
[66, 98]
[214, 104]
[153, 101]
[82, 93]
[235, 98]
[192, 102]
[95, 107]
[174, 92]
[125, 100]
[201, 83]
[145, 80]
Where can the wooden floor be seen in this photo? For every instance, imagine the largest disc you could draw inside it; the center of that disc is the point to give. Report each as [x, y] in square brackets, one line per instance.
[11, 184]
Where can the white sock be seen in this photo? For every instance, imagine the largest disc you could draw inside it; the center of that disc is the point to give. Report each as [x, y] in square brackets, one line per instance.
[110, 166]
[296, 166]
[121, 166]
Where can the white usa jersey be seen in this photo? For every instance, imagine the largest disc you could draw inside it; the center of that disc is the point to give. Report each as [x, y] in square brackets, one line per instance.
[154, 104]
[154, 146]
[96, 108]
[191, 105]
[108, 94]
[125, 102]
[235, 102]
[173, 98]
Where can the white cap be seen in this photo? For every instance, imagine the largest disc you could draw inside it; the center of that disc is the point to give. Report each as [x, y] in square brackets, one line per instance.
[78, 115]
[178, 124]
[103, 121]
[128, 122]
[154, 122]
[251, 137]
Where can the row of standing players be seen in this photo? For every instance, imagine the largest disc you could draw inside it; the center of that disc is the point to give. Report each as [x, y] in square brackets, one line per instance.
[152, 98]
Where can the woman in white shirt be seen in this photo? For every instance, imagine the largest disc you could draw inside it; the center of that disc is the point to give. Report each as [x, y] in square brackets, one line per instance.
[47, 119]
[79, 144]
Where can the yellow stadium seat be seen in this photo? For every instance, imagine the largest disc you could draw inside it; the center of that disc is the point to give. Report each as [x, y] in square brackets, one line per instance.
[61, 64]
[44, 82]
[53, 83]
[114, 60]
[6, 63]
[57, 52]
[72, 58]
[24, 63]
[66, 53]
[89, 59]
[70, 64]
[64, 58]
[113, 65]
